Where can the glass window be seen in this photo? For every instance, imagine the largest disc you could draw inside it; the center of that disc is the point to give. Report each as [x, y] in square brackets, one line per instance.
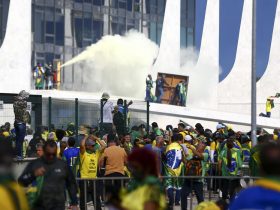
[183, 37]
[49, 27]
[49, 57]
[39, 27]
[153, 6]
[148, 8]
[86, 43]
[191, 11]
[78, 0]
[190, 39]
[87, 27]
[129, 5]
[161, 7]
[59, 30]
[97, 2]
[79, 32]
[50, 39]
[137, 6]
[153, 31]
[184, 13]
[97, 26]
[114, 3]
[122, 4]
[88, 1]
[121, 29]
[159, 30]
[114, 28]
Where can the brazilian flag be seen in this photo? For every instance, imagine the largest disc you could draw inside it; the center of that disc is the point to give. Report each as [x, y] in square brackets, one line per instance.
[173, 166]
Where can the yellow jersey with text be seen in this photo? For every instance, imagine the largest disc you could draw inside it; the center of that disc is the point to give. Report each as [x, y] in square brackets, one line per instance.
[89, 164]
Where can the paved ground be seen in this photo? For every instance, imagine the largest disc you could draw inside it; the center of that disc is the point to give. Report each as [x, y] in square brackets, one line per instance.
[192, 201]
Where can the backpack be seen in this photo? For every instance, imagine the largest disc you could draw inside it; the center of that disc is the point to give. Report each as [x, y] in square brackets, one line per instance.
[194, 167]
[118, 119]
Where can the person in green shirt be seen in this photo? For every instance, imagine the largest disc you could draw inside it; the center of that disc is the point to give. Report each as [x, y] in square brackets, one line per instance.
[149, 86]
[156, 129]
[230, 163]
[254, 163]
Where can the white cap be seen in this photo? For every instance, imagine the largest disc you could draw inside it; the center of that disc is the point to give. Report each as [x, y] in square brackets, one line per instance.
[188, 138]
[65, 139]
[188, 127]
[219, 126]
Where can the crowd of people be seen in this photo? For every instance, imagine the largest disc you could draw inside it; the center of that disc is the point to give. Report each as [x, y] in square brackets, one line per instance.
[44, 77]
[167, 165]
[170, 153]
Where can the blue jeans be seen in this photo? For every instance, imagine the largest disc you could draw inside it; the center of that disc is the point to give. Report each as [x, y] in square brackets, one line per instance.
[189, 186]
[268, 114]
[159, 94]
[20, 129]
[170, 194]
[148, 95]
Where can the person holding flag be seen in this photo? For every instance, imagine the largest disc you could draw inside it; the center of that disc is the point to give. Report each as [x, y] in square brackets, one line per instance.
[173, 167]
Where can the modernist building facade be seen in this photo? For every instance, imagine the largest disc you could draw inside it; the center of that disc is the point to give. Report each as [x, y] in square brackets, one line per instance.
[62, 29]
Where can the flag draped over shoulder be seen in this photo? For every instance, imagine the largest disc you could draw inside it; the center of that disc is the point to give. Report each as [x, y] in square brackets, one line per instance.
[174, 157]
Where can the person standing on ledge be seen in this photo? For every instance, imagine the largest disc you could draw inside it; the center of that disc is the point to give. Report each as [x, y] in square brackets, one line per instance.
[22, 117]
[149, 86]
[160, 82]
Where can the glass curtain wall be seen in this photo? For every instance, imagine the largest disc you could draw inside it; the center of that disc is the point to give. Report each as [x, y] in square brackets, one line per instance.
[63, 28]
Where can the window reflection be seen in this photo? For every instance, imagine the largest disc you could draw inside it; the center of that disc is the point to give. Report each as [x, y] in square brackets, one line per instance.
[78, 32]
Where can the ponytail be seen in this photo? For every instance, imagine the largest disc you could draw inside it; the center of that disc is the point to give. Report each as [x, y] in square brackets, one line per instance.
[228, 157]
[230, 145]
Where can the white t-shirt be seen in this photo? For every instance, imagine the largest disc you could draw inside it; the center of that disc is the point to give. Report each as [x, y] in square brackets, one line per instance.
[107, 112]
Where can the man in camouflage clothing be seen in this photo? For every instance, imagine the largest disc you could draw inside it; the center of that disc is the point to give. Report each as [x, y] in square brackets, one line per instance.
[22, 117]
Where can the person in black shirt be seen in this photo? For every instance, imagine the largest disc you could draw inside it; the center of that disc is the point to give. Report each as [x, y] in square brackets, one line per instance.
[56, 175]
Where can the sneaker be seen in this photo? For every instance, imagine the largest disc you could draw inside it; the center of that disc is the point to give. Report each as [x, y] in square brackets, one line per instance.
[19, 158]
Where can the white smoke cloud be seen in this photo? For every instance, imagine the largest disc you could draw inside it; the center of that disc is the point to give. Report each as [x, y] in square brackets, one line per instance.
[117, 64]
[203, 79]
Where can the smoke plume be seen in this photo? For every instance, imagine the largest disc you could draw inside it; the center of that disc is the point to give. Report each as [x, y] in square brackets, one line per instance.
[203, 79]
[117, 64]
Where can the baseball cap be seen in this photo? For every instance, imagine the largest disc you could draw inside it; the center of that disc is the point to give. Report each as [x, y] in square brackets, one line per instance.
[105, 96]
[219, 126]
[90, 142]
[188, 138]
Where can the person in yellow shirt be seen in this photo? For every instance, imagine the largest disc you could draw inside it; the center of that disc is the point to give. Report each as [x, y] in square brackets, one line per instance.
[144, 191]
[269, 105]
[90, 151]
[11, 193]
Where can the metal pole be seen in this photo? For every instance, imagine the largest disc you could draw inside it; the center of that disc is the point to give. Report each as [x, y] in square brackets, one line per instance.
[94, 195]
[253, 79]
[101, 118]
[85, 194]
[125, 115]
[50, 113]
[148, 116]
[76, 117]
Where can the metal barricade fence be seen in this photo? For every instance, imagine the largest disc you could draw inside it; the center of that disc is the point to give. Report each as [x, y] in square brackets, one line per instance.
[100, 191]
[60, 113]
